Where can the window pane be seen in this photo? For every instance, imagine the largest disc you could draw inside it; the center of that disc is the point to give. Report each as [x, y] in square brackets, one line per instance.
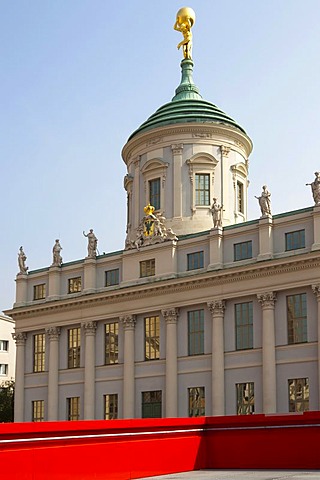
[111, 339]
[196, 401]
[73, 406]
[154, 193]
[39, 345]
[298, 394]
[152, 338]
[196, 332]
[147, 268]
[38, 411]
[295, 240]
[111, 406]
[242, 250]
[112, 277]
[245, 398]
[74, 285]
[74, 347]
[244, 325]
[151, 404]
[297, 318]
[39, 291]
[195, 260]
[202, 188]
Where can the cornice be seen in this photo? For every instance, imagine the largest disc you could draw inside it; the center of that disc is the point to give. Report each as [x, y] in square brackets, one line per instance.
[177, 285]
[211, 133]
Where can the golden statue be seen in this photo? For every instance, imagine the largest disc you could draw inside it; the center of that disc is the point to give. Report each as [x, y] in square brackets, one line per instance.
[185, 20]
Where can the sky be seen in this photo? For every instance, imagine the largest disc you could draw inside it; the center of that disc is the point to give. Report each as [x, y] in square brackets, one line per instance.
[77, 77]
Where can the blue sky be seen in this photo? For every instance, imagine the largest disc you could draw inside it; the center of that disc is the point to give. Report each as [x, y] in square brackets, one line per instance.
[78, 76]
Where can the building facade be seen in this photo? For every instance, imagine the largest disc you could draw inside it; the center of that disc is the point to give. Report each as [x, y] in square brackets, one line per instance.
[202, 313]
[7, 349]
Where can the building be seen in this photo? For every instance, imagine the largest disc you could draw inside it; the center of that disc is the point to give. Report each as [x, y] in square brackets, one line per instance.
[7, 349]
[202, 313]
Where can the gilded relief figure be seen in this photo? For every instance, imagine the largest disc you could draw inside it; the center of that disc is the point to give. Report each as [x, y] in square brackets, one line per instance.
[185, 20]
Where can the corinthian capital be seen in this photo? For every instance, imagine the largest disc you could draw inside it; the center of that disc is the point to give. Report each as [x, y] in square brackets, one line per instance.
[20, 338]
[217, 307]
[89, 327]
[177, 149]
[267, 299]
[316, 291]
[170, 315]
[53, 333]
[128, 321]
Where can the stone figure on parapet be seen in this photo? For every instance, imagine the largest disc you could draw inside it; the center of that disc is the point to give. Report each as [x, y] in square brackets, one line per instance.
[216, 211]
[265, 202]
[92, 243]
[184, 22]
[315, 188]
[151, 230]
[56, 253]
[22, 261]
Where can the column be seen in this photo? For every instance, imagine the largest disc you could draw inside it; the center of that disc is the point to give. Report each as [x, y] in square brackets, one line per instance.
[177, 193]
[53, 373]
[21, 289]
[20, 339]
[217, 308]
[316, 291]
[136, 192]
[54, 283]
[216, 248]
[89, 275]
[171, 317]
[265, 238]
[89, 369]
[269, 384]
[128, 322]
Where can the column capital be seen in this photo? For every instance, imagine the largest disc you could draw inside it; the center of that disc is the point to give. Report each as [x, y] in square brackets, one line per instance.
[128, 321]
[316, 291]
[217, 307]
[267, 299]
[19, 337]
[177, 148]
[225, 150]
[53, 333]
[170, 315]
[89, 328]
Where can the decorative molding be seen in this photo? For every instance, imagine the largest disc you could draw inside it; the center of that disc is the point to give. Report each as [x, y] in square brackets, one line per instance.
[225, 150]
[89, 327]
[128, 321]
[20, 338]
[316, 291]
[217, 307]
[53, 333]
[170, 315]
[267, 299]
[154, 141]
[177, 149]
[203, 135]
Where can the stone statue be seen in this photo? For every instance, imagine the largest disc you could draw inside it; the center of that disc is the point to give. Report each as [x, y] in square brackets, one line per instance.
[92, 244]
[216, 211]
[185, 20]
[57, 259]
[264, 201]
[315, 188]
[22, 261]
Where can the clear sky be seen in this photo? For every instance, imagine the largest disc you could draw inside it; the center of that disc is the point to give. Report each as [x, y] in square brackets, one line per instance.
[78, 76]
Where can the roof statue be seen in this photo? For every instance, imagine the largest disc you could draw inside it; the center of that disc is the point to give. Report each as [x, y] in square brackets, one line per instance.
[265, 202]
[22, 262]
[184, 22]
[315, 188]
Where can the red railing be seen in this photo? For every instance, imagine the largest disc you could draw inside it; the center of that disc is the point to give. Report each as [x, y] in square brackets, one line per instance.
[128, 449]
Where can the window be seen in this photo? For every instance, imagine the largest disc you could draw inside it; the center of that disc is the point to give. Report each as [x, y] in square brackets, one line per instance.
[297, 318]
[240, 202]
[295, 240]
[245, 398]
[111, 343]
[298, 394]
[196, 402]
[244, 325]
[112, 277]
[73, 407]
[151, 404]
[202, 188]
[3, 369]
[154, 193]
[39, 352]
[196, 332]
[147, 268]
[4, 345]
[74, 285]
[38, 411]
[74, 348]
[195, 260]
[242, 250]
[39, 291]
[152, 338]
[111, 406]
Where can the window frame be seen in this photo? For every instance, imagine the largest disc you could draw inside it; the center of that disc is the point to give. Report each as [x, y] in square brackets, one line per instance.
[195, 260]
[202, 189]
[147, 268]
[242, 251]
[295, 404]
[73, 409]
[195, 332]
[39, 291]
[74, 285]
[297, 326]
[155, 197]
[111, 350]
[243, 326]
[243, 408]
[37, 410]
[152, 339]
[196, 406]
[111, 406]
[74, 347]
[4, 343]
[154, 405]
[112, 277]
[39, 352]
[295, 240]
[4, 368]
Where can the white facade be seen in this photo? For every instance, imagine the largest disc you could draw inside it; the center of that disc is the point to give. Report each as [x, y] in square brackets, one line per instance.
[7, 349]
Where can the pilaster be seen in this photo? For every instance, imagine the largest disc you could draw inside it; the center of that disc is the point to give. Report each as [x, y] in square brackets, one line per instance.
[216, 248]
[177, 181]
[171, 316]
[89, 275]
[265, 238]
[53, 334]
[54, 282]
[217, 309]
[21, 290]
[89, 369]
[128, 322]
[20, 339]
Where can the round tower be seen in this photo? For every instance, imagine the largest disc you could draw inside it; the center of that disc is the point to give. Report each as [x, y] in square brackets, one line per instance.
[182, 157]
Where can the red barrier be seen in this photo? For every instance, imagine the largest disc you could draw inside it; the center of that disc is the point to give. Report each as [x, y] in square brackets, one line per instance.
[128, 449]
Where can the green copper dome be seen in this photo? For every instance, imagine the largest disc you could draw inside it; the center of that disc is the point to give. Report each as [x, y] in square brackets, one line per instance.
[186, 106]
